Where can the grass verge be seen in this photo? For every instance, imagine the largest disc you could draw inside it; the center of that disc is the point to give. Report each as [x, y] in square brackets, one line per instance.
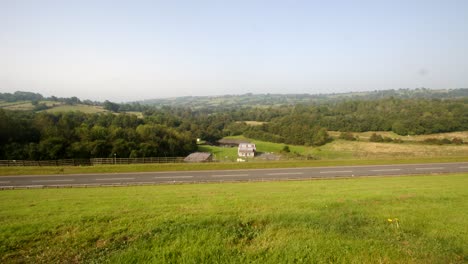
[321, 221]
[35, 170]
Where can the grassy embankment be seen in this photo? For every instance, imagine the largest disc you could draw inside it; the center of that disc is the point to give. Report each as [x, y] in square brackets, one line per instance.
[5, 171]
[321, 221]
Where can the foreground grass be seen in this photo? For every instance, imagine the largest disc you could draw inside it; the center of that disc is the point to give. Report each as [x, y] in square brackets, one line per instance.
[323, 221]
[35, 170]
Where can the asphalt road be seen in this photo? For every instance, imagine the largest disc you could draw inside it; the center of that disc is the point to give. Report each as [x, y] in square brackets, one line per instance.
[141, 178]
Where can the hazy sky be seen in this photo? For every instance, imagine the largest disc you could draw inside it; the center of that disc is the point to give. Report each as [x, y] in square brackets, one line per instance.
[132, 50]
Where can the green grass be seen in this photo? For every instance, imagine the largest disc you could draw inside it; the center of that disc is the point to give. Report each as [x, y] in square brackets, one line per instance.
[19, 105]
[26, 105]
[321, 221]
[35, 170]
[342, 150]
[220, 153]
[89, 109]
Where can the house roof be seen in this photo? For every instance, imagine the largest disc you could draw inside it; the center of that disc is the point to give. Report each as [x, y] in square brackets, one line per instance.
[198, 157]
[246, 148]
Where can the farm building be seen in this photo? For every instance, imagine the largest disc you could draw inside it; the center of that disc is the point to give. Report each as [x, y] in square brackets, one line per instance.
[246, 150]
[199, 157]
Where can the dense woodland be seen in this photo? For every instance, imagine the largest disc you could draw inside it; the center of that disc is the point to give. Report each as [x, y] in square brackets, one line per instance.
[172, 131]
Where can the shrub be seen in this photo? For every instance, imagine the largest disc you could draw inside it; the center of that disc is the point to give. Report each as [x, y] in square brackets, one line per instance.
[437, 141]
[376, 138]
[457, 141]
[347, 136]
[387, 139]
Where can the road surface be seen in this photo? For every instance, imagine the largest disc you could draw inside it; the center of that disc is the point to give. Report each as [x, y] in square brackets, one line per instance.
[141, 178]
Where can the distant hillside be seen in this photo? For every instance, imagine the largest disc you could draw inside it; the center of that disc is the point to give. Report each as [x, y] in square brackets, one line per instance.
[28, 101]
[230, 101]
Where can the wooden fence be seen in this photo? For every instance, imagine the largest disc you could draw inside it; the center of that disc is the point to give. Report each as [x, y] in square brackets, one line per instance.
[61, 162]
[90, 162]
[108, 161]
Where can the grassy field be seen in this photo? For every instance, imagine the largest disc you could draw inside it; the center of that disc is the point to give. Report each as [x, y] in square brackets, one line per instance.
[321, 221]
[417, 138]
[342, 149]
[58, 107]
[20, 105]
[363, 150]
[26, 105]
[89, 109]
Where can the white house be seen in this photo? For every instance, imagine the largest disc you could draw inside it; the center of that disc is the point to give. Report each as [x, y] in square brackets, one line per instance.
[246, 150]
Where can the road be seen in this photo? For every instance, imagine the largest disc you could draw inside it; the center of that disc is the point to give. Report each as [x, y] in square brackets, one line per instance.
[141, 178]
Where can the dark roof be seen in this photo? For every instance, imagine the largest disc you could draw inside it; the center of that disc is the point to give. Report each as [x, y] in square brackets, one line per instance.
[198, 157]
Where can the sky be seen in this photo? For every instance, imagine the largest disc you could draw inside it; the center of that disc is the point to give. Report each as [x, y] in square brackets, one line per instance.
[133, 50]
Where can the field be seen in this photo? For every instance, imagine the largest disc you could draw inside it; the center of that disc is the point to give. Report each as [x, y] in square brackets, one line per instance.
[20, 105]
[25, 105]
[417, 219]
[89, 109]
[58, 107]
[342, 149]
[416, 138]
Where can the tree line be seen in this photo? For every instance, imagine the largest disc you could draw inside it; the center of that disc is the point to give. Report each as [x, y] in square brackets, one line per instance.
[172, 131]
[46, 136]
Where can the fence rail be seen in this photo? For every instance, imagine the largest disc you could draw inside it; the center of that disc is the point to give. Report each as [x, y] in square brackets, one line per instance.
[89, 162]
[108, 161]
[61, 162]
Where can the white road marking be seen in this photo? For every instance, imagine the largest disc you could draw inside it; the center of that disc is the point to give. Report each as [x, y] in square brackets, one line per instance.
[463, 167]
[53, 180]
[285, 173]
[111, 179]
[230, 175]
[388, 170]
[172, 177]
[4, 181]
[335, 171]
[433, 168]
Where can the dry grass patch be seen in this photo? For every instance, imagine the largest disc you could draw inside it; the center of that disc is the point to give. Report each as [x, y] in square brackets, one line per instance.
[375, 150]
[252, 123]
[89, 109]
[18, 106]
[366, 135]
